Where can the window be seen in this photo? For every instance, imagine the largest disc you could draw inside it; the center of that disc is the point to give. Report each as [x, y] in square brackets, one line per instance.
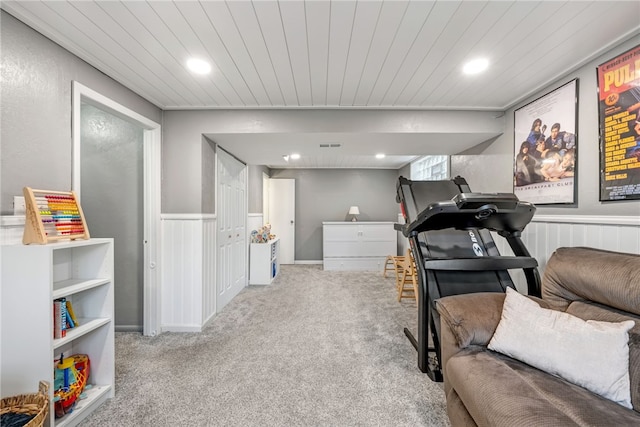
[430, 168]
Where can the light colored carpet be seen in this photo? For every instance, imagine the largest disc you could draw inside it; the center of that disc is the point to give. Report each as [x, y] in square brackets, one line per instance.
[315, 348]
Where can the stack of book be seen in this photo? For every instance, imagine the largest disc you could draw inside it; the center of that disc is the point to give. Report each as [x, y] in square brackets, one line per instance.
[64, 317]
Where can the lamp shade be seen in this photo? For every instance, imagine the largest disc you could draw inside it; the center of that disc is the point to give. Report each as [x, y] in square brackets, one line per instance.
[353, 210]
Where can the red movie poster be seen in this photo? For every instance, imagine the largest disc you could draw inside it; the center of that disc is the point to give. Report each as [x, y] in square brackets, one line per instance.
[619, 119]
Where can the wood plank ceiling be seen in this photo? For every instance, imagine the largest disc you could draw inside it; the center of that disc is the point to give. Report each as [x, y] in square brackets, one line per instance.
[390, 54]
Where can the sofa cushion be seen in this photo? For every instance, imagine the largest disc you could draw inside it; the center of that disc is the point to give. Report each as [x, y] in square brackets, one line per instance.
[592, 354]
[500, 391]
[591, 310]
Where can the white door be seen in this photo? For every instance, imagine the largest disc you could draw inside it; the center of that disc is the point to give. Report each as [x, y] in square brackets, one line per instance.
[282, 216]
[231, 239]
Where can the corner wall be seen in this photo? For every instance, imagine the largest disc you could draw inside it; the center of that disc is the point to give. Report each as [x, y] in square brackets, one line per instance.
[482, 174]
[36, 109]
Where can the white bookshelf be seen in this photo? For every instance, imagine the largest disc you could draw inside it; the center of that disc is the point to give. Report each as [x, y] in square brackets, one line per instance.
[32, 277]
[264, 264]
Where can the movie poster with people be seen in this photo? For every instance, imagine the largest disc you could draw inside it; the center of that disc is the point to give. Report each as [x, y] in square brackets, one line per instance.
[546, 146]
[619, 119]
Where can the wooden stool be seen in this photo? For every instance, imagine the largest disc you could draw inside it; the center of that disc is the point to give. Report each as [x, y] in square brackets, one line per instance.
[392, 263]
[407, 280]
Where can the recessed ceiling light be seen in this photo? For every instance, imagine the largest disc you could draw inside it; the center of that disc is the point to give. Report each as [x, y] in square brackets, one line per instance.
[198, 66]
[380, 156]
[476, 66]
[295, 156]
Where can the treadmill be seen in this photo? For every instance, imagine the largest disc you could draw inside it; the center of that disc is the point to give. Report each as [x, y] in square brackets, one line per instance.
[449, 231]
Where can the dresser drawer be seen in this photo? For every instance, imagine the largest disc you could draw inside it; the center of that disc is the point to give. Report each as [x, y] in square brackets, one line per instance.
[354, 264]
[358, 245]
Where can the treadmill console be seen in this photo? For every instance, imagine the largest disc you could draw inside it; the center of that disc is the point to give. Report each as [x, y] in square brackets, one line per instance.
[502, 201]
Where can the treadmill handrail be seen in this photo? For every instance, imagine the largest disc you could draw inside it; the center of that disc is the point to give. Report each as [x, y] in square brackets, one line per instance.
[486, 263]
[448, 214]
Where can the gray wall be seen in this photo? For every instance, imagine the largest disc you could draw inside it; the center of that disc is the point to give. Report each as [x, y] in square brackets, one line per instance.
[182, 168]
[35, 134]
[208, 189]
[326, 195]
[483, 175]
[112, 202]
[36, 109]
[254, 178]
[36, 113]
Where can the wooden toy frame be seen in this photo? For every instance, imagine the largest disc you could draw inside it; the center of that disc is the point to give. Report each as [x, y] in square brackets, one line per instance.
[52, 216]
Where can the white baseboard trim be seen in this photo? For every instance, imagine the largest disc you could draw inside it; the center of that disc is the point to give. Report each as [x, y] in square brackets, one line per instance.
[304, 261]
[127, 328]
[181, 328]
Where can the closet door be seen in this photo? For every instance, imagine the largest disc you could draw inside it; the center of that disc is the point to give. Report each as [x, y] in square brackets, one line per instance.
[231, 212]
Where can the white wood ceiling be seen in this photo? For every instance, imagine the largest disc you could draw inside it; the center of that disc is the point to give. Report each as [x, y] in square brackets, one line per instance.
[333, 54]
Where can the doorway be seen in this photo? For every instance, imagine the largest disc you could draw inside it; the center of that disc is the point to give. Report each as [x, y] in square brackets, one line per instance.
[112, 183]
[282, 216]
[97, 161]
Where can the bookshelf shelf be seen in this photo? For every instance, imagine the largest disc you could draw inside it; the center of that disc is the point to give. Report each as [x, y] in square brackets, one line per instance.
[86, 326]
[95, 397]
[73, 286]
[33, 276]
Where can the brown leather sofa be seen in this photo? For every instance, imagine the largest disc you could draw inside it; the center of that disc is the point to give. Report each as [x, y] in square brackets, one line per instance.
[486, 388]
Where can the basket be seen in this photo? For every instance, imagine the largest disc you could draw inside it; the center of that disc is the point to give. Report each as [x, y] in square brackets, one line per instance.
[29, 404]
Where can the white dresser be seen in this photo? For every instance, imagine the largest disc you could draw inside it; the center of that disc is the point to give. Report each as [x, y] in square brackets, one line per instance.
[357, 245]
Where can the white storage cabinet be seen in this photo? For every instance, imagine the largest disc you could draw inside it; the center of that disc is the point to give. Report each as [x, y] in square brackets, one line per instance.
[32, 277]
[357, 245]
[264, 264]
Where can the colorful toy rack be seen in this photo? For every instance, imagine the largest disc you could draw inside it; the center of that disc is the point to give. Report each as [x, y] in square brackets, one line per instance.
[51, 216]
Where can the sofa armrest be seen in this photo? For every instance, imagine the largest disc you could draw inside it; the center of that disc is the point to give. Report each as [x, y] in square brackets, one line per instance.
[468, 319]
[471, 318]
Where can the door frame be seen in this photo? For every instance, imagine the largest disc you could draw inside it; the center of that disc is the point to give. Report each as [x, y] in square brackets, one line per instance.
[152, 166]
[265, 198]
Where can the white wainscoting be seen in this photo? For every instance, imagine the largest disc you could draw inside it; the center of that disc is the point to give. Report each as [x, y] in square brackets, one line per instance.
[546, 233]
[188, 271]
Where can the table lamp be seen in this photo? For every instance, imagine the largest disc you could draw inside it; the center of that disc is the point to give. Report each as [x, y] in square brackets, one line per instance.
[353, 210]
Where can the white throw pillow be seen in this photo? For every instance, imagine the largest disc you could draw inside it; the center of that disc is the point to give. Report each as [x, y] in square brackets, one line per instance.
[591, 354]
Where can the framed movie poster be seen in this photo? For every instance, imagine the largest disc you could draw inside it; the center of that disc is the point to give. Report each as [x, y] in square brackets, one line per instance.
[545, 152]
[618, 116]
